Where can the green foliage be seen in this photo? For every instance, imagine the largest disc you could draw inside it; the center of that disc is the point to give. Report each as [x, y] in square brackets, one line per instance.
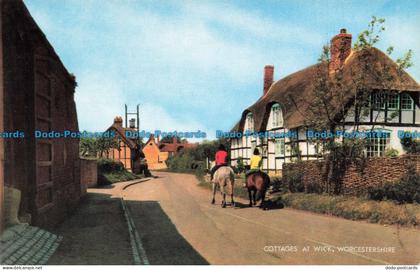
[369, 37]
[407, 190]
[109, 165]
[294, 181]
[195, 158]
[240, 167]
[87, 147]
[279, 184]
[391, 152]
[313, 187]
[410, 145]
[92, 147]
[111, 171]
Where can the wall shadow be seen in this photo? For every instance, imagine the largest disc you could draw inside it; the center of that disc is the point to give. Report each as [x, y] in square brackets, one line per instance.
[163, 244]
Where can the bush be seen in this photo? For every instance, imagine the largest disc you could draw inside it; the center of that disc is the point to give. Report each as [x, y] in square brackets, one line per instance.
[410, 145]
[112, 171]
[407, 190]
[313, 187]
[109, 165]
[279, 185]
[295, 181]
[391, 152]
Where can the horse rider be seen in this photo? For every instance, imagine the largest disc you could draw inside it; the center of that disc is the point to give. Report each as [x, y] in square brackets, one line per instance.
[255, 163]
[220, 159]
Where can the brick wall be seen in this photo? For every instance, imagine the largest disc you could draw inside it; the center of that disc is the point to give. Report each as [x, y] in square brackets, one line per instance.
[355, 179]
[88, 174]
[38, 95]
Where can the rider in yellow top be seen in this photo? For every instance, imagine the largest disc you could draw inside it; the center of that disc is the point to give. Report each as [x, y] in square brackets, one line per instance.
[255, 162]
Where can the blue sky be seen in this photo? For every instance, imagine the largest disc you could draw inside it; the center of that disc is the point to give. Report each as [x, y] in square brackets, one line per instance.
[196, 65]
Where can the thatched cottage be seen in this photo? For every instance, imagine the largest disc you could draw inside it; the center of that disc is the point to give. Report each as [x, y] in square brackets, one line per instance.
[284, 103]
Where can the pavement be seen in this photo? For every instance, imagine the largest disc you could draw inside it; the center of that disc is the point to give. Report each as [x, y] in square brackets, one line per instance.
[176, 224]
[22, 244]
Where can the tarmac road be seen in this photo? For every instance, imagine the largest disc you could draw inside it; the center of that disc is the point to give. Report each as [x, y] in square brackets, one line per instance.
[178, 225]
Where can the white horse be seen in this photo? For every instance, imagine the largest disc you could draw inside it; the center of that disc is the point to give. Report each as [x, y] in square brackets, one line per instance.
[224, 176]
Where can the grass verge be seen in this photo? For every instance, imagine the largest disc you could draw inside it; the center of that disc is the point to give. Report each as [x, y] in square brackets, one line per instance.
[354, 208]
[120, 176]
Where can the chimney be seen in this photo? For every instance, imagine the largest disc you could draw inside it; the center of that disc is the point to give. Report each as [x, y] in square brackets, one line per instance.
[268, 78]
[118, 121]
[174, 140]
[340, 50]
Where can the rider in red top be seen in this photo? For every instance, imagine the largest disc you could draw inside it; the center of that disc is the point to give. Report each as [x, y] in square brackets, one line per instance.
[220, 159]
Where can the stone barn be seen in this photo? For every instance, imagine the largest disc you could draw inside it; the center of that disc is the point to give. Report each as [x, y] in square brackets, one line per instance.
[37, 93]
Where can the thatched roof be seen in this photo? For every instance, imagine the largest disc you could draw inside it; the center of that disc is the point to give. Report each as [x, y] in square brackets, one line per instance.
[296, 91]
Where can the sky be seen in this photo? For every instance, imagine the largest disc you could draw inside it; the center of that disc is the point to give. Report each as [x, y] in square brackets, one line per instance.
[196, 65]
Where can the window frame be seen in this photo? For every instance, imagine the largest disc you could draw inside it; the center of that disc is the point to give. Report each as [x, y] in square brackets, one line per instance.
[279, 147]
[277, 116]
[394, 102]
[250, 121]
[403, 95]
[380, 144]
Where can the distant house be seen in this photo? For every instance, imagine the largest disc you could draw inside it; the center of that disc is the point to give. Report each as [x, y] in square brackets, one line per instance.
[274, 111]
[128, 151]
[154, 156]
[37, 93]
[157, 152]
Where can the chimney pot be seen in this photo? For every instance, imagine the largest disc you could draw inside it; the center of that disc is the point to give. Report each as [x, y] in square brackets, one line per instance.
[268, 78]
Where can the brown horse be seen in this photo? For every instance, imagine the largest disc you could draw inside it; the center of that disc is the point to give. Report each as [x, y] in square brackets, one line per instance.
[257, 184]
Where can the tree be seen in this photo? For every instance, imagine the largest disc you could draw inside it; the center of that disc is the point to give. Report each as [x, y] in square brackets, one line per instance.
[92, 147]
[336, 98]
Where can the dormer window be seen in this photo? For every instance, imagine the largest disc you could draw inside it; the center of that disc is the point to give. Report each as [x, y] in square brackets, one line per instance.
[277, 116]
[249, 122]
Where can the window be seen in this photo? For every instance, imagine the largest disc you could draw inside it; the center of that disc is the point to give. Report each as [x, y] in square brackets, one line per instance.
[393, 101]
[378, 144]
[250, 122]
[277, 116]
[407, 103]
[279, 147]
[378, 101]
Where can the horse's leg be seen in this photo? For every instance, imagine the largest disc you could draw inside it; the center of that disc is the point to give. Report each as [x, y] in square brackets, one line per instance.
[231, 188]
[222, 191]
[254, 196]
[250, 197]
[214, 193]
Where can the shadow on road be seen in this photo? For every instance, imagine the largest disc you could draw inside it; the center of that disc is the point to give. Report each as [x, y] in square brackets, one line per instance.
[270, 205]
[96, 233]
[161, 240]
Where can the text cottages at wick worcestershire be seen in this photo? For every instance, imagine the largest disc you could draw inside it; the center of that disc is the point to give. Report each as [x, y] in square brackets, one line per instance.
[281, 108]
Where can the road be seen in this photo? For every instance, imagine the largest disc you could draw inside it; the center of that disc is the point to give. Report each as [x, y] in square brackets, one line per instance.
[178, 225]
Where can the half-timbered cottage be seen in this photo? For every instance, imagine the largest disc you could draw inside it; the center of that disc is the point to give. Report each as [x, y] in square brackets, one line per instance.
[283, 104]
